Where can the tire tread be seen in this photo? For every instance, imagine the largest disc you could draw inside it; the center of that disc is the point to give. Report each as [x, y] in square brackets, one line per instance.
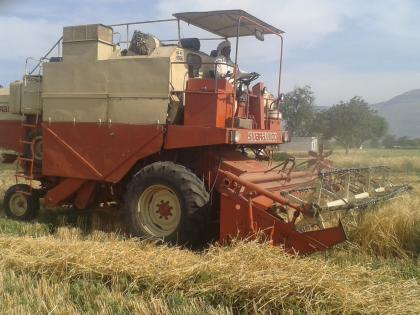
[195, 196]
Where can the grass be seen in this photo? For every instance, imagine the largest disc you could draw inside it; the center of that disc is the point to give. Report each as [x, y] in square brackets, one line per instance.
[406, 162]
[54, 267]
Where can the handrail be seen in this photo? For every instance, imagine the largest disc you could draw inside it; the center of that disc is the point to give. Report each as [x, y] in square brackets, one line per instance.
[265, 28]
[27, 62]
[116, 33]
[127, 26]
[57, 44]
[236, 54]
[143, 22]
[176, 40]
[199, 38]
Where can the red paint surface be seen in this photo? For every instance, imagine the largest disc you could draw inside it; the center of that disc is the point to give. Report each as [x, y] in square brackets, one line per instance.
[10, 134]
[195, 136]
[97, 152]
[206, 106]
[256, 105]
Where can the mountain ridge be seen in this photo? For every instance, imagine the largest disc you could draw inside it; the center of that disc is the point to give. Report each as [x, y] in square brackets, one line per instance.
[402, 113]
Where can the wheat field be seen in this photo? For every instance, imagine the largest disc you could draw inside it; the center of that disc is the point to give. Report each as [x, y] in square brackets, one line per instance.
[58, 266]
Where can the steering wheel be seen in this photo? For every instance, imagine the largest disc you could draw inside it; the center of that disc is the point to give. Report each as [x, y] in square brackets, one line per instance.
[248, 78]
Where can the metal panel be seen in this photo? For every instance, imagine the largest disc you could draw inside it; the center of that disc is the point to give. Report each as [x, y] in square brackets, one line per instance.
[31, 102]
[225, 23]
[87, 32]
[15, 96]
[10, 132]
[139, 90]
[136, 110]
[75, 77]
[4, 101]
[146, 76]
[97, 152]
[75, 109]
[4, 92]
[86, 51]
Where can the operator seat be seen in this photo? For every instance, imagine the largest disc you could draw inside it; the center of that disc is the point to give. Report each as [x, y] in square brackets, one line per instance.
[190, 43]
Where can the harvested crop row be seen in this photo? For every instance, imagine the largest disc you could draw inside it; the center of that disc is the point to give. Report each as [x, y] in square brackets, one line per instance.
[251, 276]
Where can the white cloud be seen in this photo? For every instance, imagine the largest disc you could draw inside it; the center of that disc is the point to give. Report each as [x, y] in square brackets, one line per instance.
[304, 21]
[307, 23]
[32, 29]
[23, 38]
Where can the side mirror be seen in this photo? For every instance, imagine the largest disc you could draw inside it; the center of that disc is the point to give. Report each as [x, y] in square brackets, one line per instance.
[259, 35]
[281, 97]
[279, 100]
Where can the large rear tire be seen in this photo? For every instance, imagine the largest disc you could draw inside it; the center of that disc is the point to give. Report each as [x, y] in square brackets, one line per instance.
[166, 201]
[21, 202]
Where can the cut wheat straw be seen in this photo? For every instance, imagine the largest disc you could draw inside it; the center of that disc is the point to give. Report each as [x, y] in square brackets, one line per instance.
[253, 277]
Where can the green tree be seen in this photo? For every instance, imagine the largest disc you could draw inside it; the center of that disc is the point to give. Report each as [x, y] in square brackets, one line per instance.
[351, 123]
[298, 111]
[389, 141]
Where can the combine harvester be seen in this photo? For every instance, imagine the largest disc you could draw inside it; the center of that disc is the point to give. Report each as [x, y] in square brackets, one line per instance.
[152, 127]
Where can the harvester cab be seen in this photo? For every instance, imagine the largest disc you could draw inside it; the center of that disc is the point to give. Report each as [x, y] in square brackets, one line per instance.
[149, 128]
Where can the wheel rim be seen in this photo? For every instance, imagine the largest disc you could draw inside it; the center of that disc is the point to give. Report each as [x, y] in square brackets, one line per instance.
[18, 204]
[37, 147]
[159, 211]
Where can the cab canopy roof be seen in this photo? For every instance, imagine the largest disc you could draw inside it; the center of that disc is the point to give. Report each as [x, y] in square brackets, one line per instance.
[225, 23]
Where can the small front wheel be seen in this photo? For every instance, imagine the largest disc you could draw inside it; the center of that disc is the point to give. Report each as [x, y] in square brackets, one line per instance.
[21, 202]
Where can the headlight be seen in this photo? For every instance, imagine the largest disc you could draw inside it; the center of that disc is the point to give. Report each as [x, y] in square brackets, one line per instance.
[264, 90]
[242, 88]
[235, 136]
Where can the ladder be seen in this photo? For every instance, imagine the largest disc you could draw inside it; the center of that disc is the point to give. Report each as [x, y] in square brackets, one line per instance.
[25, 167]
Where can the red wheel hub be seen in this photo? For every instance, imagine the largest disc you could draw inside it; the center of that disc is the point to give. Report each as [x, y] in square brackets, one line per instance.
[164, 209]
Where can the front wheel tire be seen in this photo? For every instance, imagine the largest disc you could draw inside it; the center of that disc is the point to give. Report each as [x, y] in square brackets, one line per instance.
[166, 201]
[21, 202]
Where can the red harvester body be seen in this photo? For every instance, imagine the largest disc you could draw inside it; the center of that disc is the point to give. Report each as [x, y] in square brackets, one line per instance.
[203, 172]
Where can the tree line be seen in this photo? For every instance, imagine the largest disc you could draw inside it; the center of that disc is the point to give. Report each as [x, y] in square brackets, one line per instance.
[391, 141]
[351, 123]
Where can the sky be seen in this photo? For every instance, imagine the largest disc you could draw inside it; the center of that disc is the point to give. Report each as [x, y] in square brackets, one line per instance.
[341, 48]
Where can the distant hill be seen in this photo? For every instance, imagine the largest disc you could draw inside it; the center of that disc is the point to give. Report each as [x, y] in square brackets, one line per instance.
[402, 113]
